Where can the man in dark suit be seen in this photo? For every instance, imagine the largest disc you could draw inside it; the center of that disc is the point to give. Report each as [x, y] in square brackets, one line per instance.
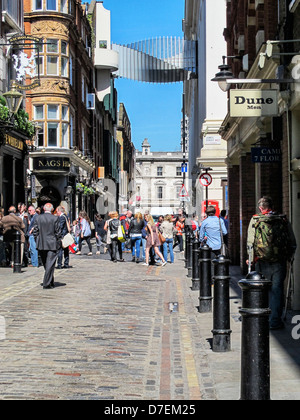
[48, 241]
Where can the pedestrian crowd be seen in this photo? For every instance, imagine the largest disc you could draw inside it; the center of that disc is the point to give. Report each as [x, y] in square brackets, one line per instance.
[47, 237]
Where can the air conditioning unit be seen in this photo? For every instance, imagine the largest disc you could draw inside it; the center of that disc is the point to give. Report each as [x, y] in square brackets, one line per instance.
[90, 101]
[293, 5]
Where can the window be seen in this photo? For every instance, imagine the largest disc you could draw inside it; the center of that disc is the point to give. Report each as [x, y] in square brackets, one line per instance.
[72, 70]
[63, 6]
[178, 171]
[51, 4]
[64, 67]
[159, 193]
[39, 112]
[52, 112]
[65, 135]
[52, 45]
[52, 134]
[40, 142]
[38, 4]
[64, 59]
[159, 171]
[54, 120]
[52, 67]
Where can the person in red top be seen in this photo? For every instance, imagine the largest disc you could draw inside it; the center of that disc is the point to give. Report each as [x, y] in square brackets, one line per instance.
[180, 229]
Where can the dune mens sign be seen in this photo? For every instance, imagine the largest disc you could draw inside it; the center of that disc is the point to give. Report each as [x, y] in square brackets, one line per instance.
[253, 103]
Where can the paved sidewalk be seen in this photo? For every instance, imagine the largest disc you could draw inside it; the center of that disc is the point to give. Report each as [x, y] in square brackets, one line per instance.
[108, 332]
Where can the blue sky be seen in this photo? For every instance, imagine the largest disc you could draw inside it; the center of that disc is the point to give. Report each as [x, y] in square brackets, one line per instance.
[154, 110]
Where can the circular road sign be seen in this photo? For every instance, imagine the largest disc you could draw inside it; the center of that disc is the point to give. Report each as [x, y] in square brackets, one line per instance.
[206, 179]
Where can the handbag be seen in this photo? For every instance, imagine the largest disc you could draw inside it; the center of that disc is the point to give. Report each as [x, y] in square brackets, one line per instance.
[67, 240]
[121, 234]
[161, 238]
[224, 248]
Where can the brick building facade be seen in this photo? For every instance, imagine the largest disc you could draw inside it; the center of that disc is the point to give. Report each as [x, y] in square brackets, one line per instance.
[250, 25]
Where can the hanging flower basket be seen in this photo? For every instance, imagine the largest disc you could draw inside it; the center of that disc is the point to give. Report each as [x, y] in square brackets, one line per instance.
[79, 187]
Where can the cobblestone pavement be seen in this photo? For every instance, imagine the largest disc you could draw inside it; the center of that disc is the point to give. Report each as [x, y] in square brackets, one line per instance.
[108, 332]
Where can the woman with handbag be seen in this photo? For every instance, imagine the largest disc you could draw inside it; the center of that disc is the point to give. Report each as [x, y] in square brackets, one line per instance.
[153, 240]
[100, 234]
[86, 232]
[167, 230]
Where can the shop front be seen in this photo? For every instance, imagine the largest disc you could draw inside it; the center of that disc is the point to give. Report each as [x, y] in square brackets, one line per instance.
[54, 176]
[12, 170]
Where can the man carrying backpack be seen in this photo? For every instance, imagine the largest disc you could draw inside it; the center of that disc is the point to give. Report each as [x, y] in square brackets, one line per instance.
[271, 244]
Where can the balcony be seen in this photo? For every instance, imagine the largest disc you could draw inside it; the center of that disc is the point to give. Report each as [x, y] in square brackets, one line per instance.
[106, 59]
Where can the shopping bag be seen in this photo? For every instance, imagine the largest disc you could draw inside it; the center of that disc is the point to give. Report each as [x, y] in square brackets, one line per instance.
[67, 240]
[121, 234]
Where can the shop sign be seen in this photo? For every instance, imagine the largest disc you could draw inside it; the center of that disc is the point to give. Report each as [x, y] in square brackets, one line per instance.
[11, 141]
[51, 164]
[253, 103]
[25, 61]
[266, 154]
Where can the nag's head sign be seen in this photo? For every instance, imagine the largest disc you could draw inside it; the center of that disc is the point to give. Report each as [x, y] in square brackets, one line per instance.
[253, 103]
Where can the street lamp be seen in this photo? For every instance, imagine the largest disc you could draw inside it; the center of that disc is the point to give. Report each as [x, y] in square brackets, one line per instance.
[223, 75]
[13, 98]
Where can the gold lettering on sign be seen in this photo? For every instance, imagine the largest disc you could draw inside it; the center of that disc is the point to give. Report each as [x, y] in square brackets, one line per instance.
[11, 141]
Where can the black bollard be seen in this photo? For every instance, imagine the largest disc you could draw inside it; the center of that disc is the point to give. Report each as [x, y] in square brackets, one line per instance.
[195, 265]
[190, 255]
[186, 248]
[221, 324]
[255, 360]
[17, 253]
[205, 299]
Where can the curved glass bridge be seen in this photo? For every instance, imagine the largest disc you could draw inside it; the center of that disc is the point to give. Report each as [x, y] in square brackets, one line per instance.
[158, 60]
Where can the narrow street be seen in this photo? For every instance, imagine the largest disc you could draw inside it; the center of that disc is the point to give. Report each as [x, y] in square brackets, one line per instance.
[108, 332]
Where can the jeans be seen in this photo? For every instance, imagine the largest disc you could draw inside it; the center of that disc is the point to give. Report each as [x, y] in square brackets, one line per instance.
[168, 244]
[136, 245]
[33, 252]
[63, 252]
[180, 242]
[276, 273]
[116, 245]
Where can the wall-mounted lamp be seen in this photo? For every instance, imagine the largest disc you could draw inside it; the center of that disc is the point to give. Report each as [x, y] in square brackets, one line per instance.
[225, 73]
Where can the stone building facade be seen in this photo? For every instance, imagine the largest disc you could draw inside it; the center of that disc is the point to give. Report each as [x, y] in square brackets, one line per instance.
[158, 180]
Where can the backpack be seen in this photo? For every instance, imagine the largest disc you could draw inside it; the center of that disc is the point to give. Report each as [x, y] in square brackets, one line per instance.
[271, 239]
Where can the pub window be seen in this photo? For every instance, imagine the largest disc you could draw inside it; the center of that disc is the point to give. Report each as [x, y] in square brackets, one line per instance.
[52, 134]
[52, 112]
[40, 139]
[52, 45]
[64, 59]
[39, 112]
[37, 4]
[65, 135]
[52, 67]
[64, 6]
[51, 4]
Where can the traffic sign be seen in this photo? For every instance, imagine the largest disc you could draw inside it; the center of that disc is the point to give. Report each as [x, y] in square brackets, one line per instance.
[184, 167]
[183, 194]
[205, 179]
